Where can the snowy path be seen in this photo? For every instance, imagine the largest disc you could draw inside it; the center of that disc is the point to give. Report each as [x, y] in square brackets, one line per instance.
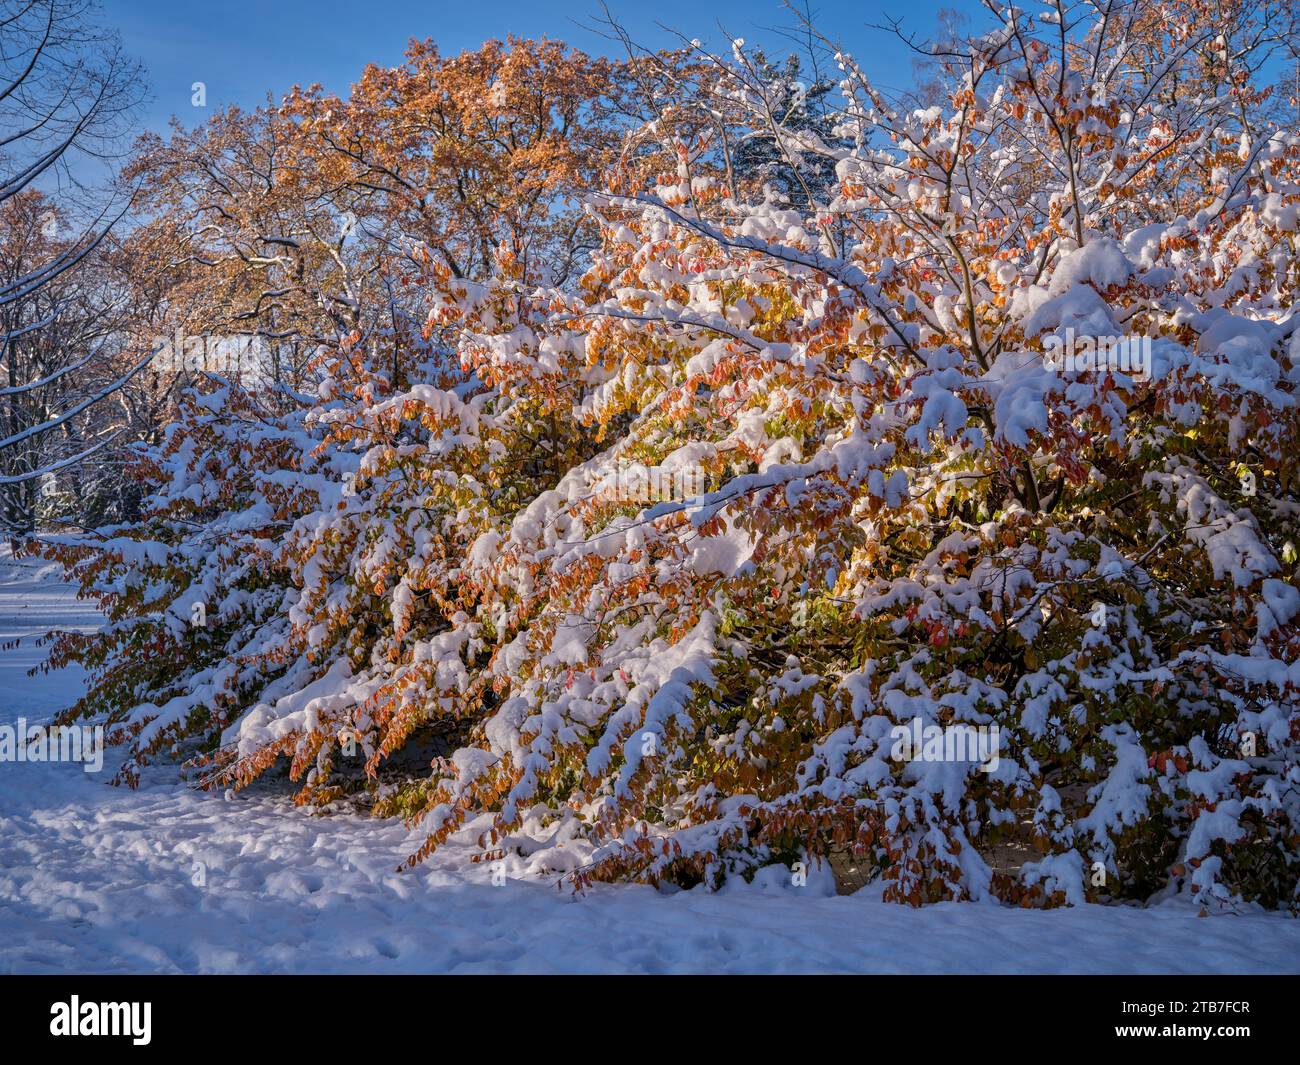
[99, 879]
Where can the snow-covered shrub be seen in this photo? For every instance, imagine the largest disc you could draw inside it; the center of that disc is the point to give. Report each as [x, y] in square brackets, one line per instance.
[904, 516]
[194, 594]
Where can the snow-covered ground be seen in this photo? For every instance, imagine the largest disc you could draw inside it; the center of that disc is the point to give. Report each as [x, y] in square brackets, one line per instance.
[101, 879]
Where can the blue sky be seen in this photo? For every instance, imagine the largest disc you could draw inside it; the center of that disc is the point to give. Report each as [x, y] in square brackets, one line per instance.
[241, 49]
